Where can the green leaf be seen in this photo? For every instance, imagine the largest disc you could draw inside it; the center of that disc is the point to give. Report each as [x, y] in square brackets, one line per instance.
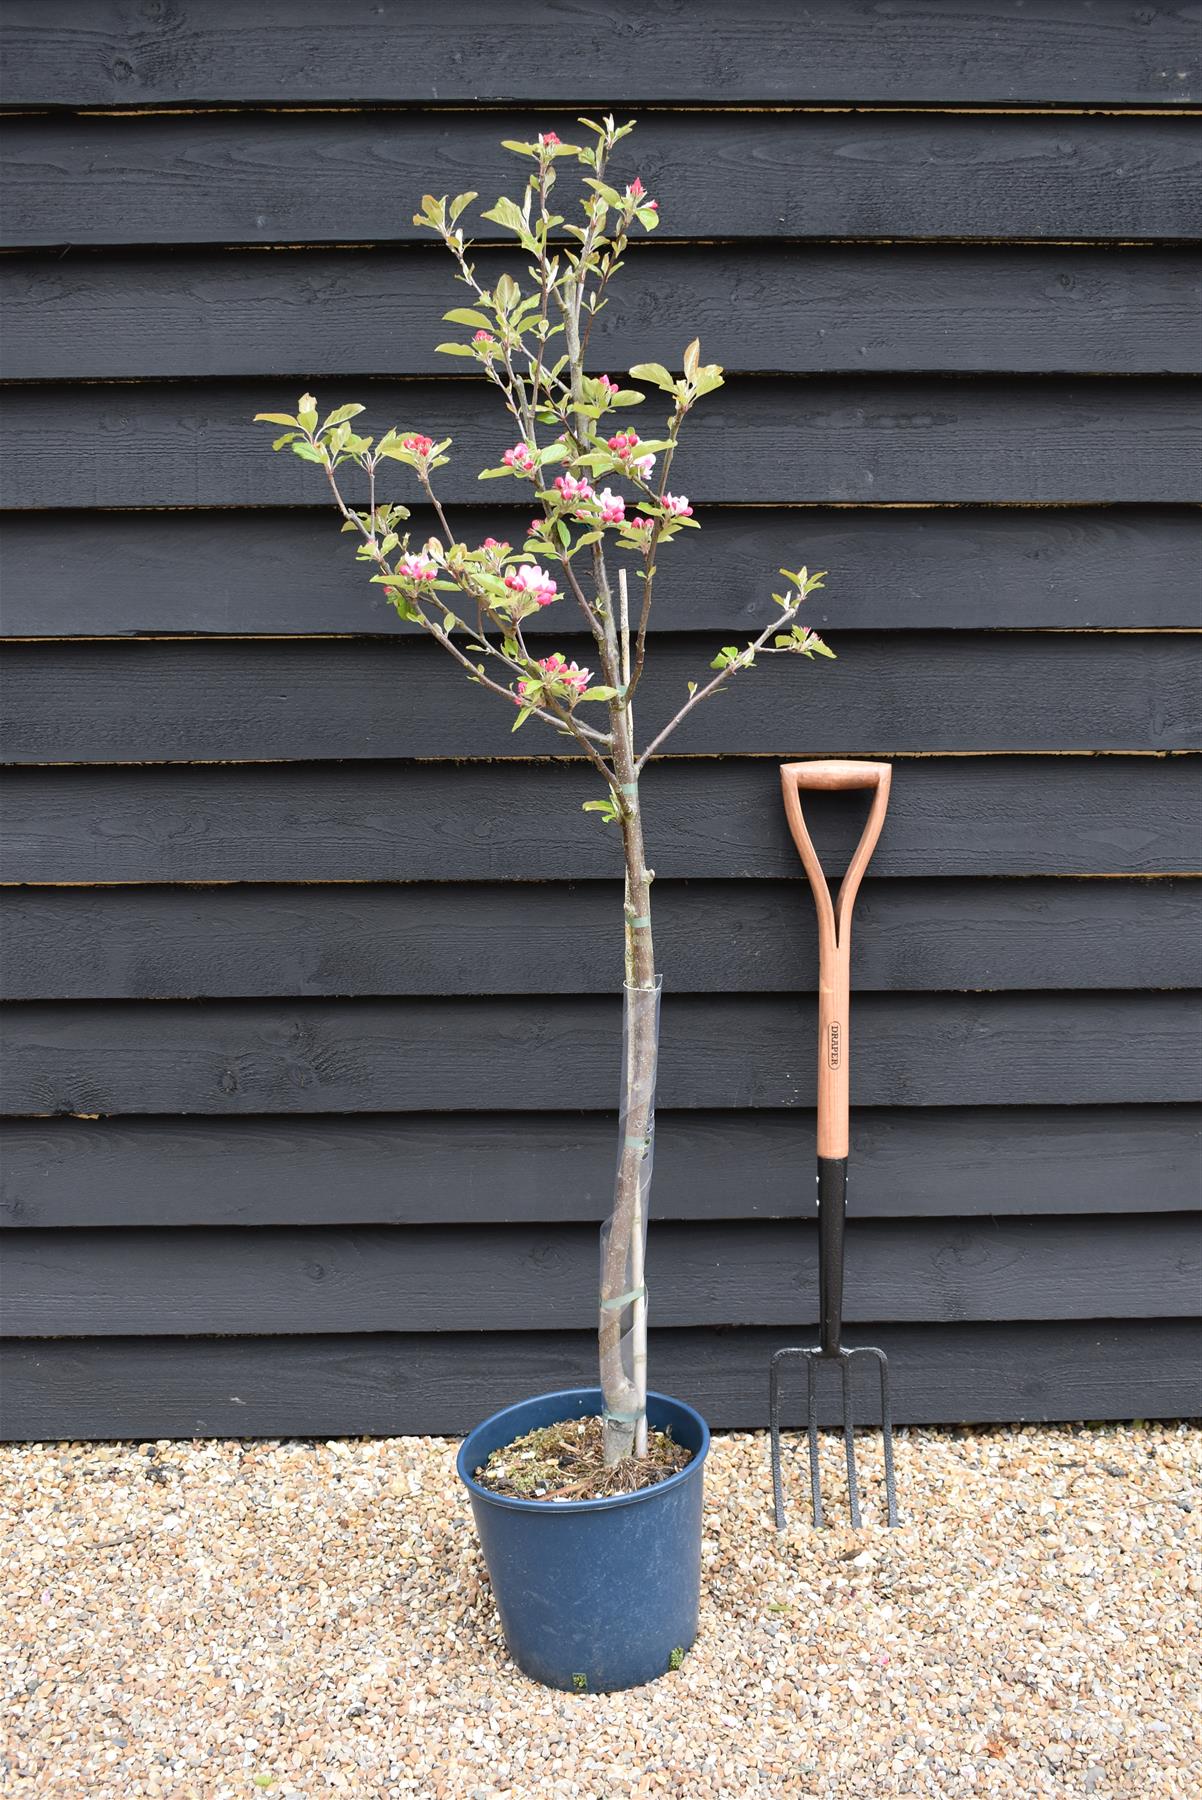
[599, 693]
[523, 715]
[467, 315]
[507, 214]
[729, 653]
[494, 474]
[627, 397]
[307, 453]
[275, 419]
[459, 202]
[281, 441]
[306, 412]
[340, 415]
[454, 350]
[607, 808]
[655, 372]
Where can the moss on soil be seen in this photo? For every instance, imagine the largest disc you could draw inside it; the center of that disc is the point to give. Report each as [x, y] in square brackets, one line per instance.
[567, 1462]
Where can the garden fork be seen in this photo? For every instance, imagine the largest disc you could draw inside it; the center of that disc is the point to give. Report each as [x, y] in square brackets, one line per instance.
[834, 993]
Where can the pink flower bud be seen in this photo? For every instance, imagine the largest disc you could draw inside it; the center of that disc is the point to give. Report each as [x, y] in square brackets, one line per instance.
[613, 506]
[557, 673]
[419, 445]
[520, 457]
[677, 507]
[483, 337]
[548, 137]
[416, 568]
[606, 385]
[636, 189]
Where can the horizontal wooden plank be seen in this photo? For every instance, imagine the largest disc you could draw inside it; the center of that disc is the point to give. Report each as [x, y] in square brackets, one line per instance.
[294, 702]
[288, 178]
[167, 943]
[511, 1277]
[561, 1054]
[820, 440]
[90, 54]
[389, 1383]
[97, 574]
[974, 815]
[472, 1168]
[1051, 309]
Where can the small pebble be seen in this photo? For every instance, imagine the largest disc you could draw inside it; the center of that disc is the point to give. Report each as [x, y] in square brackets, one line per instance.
[306, 1619]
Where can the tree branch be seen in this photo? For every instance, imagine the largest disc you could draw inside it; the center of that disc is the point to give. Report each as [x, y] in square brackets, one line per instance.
[720, 679]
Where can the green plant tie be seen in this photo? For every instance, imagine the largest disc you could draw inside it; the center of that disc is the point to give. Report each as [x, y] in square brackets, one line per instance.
[636, 1143]
[630, 789]
[623, 1300]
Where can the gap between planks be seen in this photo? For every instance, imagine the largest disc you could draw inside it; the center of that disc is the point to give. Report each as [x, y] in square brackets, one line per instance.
[393, 636]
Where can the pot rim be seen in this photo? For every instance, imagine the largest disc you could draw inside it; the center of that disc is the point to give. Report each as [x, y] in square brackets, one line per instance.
[603, 1503]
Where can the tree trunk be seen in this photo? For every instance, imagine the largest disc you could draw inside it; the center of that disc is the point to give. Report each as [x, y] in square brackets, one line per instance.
[623, 1322]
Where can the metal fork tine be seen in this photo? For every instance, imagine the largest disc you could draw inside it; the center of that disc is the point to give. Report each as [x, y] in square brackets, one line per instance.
[812, 1428]
[887, 1438]
[774, 1380]
[849, 1444]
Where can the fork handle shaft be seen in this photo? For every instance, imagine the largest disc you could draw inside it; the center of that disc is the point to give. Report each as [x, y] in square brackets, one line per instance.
[832, 1211]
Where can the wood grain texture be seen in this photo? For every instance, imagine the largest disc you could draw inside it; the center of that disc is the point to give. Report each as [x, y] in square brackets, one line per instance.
[164, 943]
[797, 309]
[391, 1383]
[296, 702]
[475, 1168]
[438, 822]
[505, 1278]
[289, 178]
[91, 54]
[338, 1056]
[93, 574]
[781, 442]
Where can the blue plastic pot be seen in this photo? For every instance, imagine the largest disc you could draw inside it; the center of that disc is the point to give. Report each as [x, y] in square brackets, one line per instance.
[593, 1594]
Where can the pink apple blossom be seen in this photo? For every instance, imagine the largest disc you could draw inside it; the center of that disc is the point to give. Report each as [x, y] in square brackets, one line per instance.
[491, 543]
[520, 457]
[637, 190]
[572, 487]
[613, 506]
[547, 138]
[533, 583]
[416, 568]
[677, 506]
[644, 465]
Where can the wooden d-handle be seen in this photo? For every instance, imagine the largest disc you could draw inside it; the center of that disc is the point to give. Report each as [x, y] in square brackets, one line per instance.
[834, 928]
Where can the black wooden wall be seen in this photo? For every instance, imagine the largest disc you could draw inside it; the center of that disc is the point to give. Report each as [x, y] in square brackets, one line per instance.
[310, 964]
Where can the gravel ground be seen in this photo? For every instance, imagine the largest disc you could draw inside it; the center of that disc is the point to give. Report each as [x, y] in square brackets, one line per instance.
[222, 1619]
